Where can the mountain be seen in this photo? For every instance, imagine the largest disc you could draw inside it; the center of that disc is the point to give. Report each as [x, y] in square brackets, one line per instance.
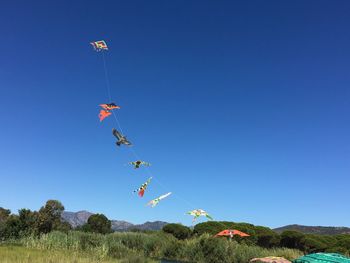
[319, 230]
[156, 225]
[80, 218]
[76, 218]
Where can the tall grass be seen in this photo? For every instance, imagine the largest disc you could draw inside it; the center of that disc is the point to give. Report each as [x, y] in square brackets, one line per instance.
[156, 245]
[15, 254]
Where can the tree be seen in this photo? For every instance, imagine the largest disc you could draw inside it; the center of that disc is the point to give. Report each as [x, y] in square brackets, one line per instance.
[49, 216]
[291, 239]
[12, 227]
[27, 220]
[4, 214]
[177, 230]
[98, 223]
[265, 237]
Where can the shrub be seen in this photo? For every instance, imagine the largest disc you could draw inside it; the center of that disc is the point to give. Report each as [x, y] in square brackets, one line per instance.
[177, 230]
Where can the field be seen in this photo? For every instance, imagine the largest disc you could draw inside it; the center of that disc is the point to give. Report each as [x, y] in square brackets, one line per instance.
[18, 254]
[133, 247]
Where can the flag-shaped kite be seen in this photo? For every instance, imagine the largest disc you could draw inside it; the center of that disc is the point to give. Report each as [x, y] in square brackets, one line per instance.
[99, 45]
[154, 202]
[197, 213]
[142, 188]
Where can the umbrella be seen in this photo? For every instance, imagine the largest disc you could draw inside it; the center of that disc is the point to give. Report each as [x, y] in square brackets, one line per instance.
[270, 260]
[230, 233]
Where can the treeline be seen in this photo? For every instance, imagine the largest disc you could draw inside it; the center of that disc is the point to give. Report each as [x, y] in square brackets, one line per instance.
[29, 223]
[47, 219]
[267, 238]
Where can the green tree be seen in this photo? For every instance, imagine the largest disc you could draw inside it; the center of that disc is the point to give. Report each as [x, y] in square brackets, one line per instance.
[291, 239]
[49, 216]
[98, 223]
[266, 237]
[4, 214]
[177, 230]
[27, 220]
[12, 227]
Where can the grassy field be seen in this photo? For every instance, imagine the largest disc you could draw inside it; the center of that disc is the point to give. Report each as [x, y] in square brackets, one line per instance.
[139, 247]
[18, 254]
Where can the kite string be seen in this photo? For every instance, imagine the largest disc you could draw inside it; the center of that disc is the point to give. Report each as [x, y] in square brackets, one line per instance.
[131, 149]
[106, 76]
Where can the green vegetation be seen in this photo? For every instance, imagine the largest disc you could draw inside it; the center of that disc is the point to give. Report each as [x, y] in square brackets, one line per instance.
[177, 230]
[157, 245]
[97, 223]
[38, 232]
[16, 254]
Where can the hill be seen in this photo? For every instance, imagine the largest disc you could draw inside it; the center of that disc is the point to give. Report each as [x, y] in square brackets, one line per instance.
[319, 230]
[76, 219]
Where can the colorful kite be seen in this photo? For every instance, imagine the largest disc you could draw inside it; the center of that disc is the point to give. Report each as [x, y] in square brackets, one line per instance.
[109, 106]
[99, 45]
[154, 202]
[142, 188]
[103, 114]
[121, 139]
[197, 213]
[138, 163]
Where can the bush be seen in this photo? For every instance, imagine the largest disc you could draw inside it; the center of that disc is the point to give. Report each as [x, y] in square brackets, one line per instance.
[177, 230]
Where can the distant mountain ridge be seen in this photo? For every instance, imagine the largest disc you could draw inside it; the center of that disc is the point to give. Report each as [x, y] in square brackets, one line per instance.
[80, 218]
[319, 230]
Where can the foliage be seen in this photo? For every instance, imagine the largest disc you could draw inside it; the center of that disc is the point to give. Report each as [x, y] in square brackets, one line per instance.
[153, 245]
[98, 223]
[49, 217]
[177, 230]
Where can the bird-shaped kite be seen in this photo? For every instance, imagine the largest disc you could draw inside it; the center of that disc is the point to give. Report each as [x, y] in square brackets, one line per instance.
[109, 106]
[121, 139]
[197, 213]
[99, 45]
[142, 188]
[154, 202]
[138, 163]
[103, 114]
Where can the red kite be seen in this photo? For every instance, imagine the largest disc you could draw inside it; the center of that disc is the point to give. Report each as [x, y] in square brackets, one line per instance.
[104, 114]
[231, 232]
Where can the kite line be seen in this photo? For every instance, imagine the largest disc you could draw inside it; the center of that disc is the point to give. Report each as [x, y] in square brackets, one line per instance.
[106, 111]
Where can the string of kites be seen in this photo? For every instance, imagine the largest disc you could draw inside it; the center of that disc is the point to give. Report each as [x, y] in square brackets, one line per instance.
[106, 111]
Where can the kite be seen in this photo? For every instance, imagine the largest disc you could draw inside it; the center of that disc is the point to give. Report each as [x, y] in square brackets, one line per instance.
[109, 106]
[103, 114]
[121, 139]
[138, 163]
[197, 213]
[99, 45]
[143, 187]
[154, 202]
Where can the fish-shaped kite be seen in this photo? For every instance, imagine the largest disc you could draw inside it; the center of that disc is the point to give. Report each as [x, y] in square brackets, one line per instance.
[138, 163]
[142, 188]
[154, 202]
[99, 45]
[121, 138]
[197, 213]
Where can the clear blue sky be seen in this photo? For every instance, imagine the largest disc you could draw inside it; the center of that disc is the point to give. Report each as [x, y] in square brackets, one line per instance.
[242, 107]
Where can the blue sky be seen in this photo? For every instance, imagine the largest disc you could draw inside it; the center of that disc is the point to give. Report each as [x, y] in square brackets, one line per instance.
[242, 107]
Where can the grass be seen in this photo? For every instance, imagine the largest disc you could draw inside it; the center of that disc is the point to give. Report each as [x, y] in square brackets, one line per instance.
[140, 247]
[16, 254]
